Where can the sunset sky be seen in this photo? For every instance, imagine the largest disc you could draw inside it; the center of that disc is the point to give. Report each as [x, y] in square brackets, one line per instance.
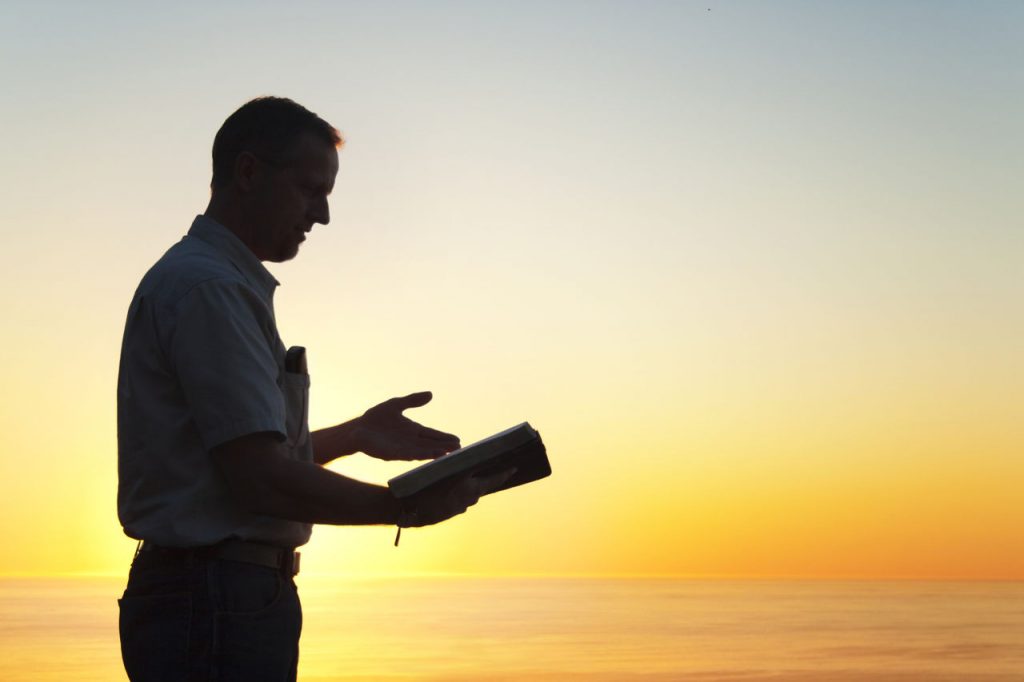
[753, 269]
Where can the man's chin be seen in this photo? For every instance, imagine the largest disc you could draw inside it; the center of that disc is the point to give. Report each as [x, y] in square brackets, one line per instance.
[286, 254]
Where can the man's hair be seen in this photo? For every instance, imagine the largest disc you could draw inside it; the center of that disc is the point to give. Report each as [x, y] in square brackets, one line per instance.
[268, 128]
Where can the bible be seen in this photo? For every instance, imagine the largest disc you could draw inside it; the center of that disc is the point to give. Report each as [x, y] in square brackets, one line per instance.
[519, 446]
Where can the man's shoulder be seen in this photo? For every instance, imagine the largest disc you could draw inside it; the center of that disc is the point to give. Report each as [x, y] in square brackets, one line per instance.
[186, 265]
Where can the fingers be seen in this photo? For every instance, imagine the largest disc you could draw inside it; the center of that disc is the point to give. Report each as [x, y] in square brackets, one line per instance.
[420, 452]
[491, 482]
[478, 486]
[455, 497]
[445, 439]
[421, 447]
[467, 493]
[434, 451]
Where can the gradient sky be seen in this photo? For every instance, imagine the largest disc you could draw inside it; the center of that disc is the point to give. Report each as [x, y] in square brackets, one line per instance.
[752, 269]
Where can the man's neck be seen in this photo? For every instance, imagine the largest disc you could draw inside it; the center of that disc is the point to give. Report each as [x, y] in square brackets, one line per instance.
[228, 215]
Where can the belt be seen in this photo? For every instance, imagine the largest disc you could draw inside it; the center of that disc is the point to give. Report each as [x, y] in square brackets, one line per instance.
[283, 559]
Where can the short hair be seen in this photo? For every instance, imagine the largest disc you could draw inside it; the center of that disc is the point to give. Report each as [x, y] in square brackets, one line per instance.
[267, 127]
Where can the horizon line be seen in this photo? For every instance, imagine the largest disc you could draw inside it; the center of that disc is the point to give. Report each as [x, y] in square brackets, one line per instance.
[722, 577]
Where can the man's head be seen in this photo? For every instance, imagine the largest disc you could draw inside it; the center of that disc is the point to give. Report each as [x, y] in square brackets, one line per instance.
[274, 163]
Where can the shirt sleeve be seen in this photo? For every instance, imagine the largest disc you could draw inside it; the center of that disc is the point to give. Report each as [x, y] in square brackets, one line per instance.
[223, 352]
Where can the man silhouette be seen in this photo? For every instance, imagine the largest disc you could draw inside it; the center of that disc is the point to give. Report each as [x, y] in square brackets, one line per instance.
[219, 476]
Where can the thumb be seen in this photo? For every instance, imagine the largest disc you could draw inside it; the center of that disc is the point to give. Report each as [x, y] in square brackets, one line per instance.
[412, 400]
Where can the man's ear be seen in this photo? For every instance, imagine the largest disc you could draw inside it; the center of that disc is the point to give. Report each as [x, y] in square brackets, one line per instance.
[246, 171]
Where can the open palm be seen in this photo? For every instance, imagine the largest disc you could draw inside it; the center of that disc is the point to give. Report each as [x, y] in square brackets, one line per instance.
[385, 433]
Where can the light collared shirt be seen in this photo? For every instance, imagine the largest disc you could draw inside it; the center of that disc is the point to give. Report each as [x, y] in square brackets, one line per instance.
[202, 364]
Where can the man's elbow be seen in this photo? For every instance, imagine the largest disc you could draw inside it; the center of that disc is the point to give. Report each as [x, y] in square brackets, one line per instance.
[250, 468]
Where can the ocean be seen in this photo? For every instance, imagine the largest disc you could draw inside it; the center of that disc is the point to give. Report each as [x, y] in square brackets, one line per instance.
[575, 629]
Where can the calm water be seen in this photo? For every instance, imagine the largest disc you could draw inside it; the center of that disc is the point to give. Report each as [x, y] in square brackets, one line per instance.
[581, 630]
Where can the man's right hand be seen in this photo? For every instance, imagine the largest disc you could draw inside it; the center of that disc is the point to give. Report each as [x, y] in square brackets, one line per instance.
[451, 498]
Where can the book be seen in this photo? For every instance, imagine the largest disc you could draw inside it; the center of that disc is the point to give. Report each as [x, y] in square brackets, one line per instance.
[519, 446]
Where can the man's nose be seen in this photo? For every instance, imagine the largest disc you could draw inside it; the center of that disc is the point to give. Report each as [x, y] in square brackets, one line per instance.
[322, 212]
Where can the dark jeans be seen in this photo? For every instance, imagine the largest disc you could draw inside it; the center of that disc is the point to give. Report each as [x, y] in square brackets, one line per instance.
[188, 619]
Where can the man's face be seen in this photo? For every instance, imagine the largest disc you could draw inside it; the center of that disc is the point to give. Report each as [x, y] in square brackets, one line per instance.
[290, 199]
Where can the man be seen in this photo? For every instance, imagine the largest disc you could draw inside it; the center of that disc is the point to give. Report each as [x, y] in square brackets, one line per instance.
[219, 476]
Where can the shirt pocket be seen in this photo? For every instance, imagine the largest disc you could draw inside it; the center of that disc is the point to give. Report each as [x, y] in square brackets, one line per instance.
[296, 400]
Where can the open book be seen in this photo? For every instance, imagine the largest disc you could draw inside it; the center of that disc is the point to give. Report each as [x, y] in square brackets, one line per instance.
[519, 446]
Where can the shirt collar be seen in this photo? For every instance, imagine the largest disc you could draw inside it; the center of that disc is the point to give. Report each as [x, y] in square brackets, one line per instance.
[227, 242]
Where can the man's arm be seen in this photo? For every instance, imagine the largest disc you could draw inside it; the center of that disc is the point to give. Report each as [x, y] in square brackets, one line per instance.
[264, 480]
[335, 441]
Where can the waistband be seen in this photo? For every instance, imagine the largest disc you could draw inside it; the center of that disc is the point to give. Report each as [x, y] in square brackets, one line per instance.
[284, 559]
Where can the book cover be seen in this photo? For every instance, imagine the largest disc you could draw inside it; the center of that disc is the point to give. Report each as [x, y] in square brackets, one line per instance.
[519, 446]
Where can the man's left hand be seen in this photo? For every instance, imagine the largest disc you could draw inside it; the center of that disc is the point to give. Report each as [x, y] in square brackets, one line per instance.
[385, 433]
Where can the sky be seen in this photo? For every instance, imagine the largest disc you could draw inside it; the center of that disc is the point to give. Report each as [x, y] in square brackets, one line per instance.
[752, 269]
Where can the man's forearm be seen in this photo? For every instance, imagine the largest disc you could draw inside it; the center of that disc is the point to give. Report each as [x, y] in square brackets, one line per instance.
[303, 491]
[272, 484]
[335, 441]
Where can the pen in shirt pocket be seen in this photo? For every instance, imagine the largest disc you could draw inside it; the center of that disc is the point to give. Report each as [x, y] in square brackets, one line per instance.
[295, 360]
